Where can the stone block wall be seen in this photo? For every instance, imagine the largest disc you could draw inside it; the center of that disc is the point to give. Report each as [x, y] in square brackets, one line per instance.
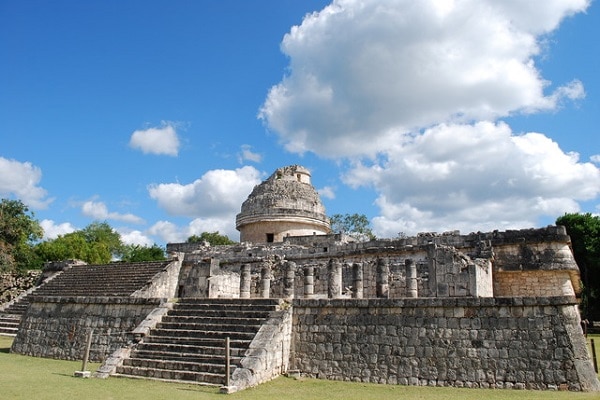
[534, 283]
[523, 343]
[268, 355]
[164, 284]
[57, 327]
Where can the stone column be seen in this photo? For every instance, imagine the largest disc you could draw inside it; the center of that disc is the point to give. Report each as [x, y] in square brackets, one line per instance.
[357, 275]
[245, 281]
[265, 281]
[382, 278]
[288, 279]
[334, 287]
[309, 281]
[411, 278]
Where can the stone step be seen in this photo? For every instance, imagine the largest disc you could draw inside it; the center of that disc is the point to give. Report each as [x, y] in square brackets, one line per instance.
[213, 301]
[8, 330]
[176, 350]
[225, 307]
[172, 375]
[176, 365]
[195, 341]
[186, 322]
[212, 320]
[219, 313]
[199, 331]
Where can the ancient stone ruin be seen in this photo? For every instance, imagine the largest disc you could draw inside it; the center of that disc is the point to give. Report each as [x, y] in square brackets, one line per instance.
[486, 310]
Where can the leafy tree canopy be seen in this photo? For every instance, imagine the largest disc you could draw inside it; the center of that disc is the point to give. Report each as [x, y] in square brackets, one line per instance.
[137, 253]
[353, 225]
[584, 230]
[18, 231]
[214, 238]
[97, 243]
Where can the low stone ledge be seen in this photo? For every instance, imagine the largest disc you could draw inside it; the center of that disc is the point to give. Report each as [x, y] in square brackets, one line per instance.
[96, 300]
[424, 302]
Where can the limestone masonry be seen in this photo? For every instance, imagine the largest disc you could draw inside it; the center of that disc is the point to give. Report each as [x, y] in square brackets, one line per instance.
[487, 310]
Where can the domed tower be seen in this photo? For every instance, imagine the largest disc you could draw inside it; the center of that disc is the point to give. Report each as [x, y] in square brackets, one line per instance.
[286, 204]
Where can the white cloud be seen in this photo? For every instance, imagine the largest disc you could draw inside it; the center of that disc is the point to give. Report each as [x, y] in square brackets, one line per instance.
[53, 230]
[99, 211]
[411, 92]
[21, 180]
[327, 191]
[217, 194]
[135, 237]
[246, 154]
[159, 140]
[167, 231]
[474, 177]
[171, 233]
[364, 73]
[595, 158]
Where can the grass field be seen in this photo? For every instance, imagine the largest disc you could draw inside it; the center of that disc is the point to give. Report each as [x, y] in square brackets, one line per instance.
[24, 377]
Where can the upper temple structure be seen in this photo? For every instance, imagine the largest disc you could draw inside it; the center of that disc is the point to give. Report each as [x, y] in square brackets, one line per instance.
[284, 205]
[481, 310]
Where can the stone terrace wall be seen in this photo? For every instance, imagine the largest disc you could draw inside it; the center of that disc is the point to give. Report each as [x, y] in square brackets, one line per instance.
[533, 343]
[57, 327]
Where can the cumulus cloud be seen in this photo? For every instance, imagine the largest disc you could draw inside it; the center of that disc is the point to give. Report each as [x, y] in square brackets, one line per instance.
[246, 154]
[327, 191]
[411, 94]
[474, 177]
[217, 194]
[98, 210]
[52, 230]
[172, 233]
[135, 237]
[159, 140]
[21, 180]
[364, 73]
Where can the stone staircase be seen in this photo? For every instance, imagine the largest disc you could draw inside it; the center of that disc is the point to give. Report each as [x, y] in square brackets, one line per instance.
[115, 279]
[189, 344]
[10, 318]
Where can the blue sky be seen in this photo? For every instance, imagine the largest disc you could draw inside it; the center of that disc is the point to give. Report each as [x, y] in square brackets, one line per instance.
[159, 117]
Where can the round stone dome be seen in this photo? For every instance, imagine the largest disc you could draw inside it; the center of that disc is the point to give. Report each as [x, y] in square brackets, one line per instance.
[286, 204]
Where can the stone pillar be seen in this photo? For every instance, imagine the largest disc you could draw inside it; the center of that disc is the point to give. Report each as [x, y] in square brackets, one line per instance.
[334, 287]
[357, 275]
[411, 278]
[288, 279]
[382, 278]
[309, 281]
[265, 281]
[245, 281]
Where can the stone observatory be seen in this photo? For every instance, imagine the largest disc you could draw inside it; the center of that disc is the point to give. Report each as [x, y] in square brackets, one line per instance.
[286, 204]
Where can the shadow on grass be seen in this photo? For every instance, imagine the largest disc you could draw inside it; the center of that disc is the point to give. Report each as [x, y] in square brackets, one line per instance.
[5, 350]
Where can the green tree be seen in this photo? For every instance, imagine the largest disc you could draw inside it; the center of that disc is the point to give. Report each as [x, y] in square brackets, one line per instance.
[97, 243]
[214, 238]
[137, 253]
[584, 230]
[18, 232]
[103, 233]
[353, 225]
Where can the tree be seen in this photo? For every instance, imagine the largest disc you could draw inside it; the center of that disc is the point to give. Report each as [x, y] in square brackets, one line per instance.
[102, 232]
[584, 230]
[18, 231]
[97, 243]
[214, 238]
[353, 225]
[137, 253]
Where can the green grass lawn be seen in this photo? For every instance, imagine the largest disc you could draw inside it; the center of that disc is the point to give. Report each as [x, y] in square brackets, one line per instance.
[24, 377]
